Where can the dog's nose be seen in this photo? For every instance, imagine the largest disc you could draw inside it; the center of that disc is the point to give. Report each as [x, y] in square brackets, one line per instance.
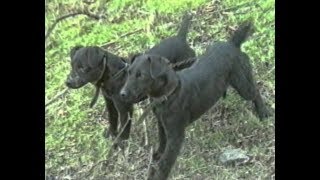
[123, 93]
[69, 84]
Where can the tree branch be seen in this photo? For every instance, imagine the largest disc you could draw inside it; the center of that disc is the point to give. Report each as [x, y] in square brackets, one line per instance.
[80, 12]
[122, 36]
[57, 96]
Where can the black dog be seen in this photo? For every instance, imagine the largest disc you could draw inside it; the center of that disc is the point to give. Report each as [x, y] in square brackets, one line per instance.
[96, 66]
[183, 96]
[106, 71]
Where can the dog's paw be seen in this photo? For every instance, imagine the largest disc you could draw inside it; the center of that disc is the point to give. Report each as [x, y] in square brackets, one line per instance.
[151, 173]
[124, 136]
[109, 134]
[264, 113]
[122, 144]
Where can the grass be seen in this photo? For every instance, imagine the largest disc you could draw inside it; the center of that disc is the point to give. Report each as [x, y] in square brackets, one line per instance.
[74, 138]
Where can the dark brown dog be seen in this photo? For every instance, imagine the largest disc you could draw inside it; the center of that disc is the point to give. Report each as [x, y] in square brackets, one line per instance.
[183, 96]
[105, 70]
[94, 65]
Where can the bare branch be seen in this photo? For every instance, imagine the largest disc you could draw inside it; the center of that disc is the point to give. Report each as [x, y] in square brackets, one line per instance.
[150, 161]
[80, 12]
[89, 1]
[145, 129]
[57, 96]
[122, 36]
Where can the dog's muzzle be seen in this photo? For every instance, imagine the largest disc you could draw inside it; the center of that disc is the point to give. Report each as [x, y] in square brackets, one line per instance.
[130, 97]
[75, 82]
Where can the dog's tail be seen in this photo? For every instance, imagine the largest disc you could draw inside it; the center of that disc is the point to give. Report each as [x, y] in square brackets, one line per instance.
[184, 28]
[240, 35]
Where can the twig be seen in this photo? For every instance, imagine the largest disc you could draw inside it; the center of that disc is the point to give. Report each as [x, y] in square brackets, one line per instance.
[57, 96]
[124, 35]
[146, 142]
[231, 8]
[80, 12]
[272, 69]
[237, 7]
[150, 162]
[93, 166]
[168, 25]
[88, 1]
[145, 129]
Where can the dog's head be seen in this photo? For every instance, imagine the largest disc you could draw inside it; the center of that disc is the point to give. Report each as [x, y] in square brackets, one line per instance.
[147, 75]
[87, 66]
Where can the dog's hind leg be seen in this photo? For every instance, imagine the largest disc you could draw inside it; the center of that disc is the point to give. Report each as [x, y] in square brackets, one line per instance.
[242, 80]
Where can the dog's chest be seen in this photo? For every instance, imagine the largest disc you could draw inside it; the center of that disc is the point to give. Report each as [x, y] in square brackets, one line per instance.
[158, 111]
[163, 111]
[111, 88]
[107, 91]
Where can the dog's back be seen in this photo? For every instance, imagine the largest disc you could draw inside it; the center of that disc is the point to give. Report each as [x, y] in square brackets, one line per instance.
[175, 48]
[215, 64]
[219, 56]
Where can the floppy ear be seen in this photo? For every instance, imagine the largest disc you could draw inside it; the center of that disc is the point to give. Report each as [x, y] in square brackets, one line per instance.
[134, 57]
[95, 56]
[158, 66]
[74, 50]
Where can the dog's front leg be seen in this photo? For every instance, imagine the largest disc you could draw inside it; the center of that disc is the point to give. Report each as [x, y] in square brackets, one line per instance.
[175, 136]
[113, 118]
[124, 110]
[162, 142]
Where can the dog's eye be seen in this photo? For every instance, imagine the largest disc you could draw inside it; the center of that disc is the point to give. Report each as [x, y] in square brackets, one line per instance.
[138, 75]
[86, 70]
[80, 66]
[83, 69]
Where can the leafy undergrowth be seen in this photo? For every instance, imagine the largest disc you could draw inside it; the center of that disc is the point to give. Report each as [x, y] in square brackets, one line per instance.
[74, 133]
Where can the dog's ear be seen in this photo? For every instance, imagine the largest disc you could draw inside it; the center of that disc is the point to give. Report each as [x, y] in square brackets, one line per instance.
[158, 66]
[134, 57]
[95, 56]
[74, 50]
